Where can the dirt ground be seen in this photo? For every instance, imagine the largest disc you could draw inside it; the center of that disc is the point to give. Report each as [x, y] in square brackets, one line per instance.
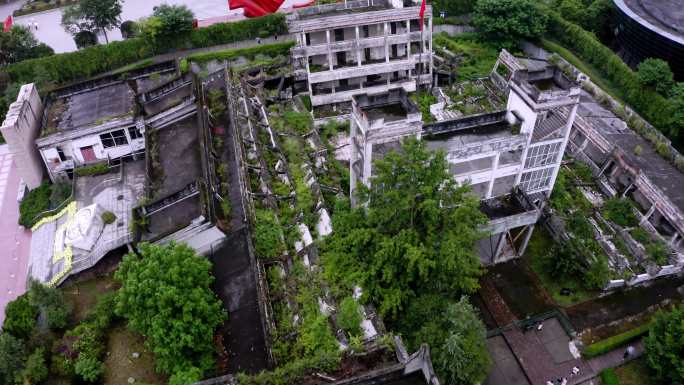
[83, 295]
[634, 373]
[122, 365]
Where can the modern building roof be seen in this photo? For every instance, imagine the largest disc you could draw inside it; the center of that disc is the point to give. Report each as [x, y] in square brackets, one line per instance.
[666, 17]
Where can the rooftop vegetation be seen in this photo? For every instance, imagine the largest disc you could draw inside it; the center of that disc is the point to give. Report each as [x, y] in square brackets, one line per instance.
[475, 56]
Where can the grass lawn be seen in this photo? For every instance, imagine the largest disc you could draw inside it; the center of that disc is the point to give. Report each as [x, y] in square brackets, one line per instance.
[540, 244]
[634, 373]
[120, 364]
[83, 295]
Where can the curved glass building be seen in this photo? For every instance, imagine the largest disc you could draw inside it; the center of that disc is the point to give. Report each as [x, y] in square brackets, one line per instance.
[651, 28]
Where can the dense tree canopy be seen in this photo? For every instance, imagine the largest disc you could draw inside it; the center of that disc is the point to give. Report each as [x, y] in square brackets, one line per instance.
[416, 235]
[665, 347]
[452, 7]
[90, 15]
[456, 337]
[656, 74]
[12, 357]
[508, 21]
[168, 24]
[166, 297]
[19, 44]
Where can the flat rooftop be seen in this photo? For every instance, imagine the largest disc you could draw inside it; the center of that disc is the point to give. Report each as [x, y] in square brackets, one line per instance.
[661, 172]
[461, 138]
[665, 14]
[90, 107]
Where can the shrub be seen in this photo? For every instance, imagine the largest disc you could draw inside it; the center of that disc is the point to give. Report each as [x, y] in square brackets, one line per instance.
[20, 317]
[620, 211]
[608, 377]
[36, 371]
[300, 122]
[638, 150]
[655, 74]
[89, 368]
[12, 356]
[96, 169]
[316, 336]
[108, 217]
[614, 342]
[34, 203]
[658, 252]
[267, 236]
[350, 316]
[186, 377]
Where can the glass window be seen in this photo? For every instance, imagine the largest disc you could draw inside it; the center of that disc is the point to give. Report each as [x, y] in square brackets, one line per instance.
[113, 138]
[134, 133]
[536, 180]
[542, 155]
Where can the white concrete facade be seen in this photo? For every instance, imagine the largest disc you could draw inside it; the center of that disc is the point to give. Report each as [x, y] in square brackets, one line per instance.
[102, 143]
[343, 52]
[20, 128]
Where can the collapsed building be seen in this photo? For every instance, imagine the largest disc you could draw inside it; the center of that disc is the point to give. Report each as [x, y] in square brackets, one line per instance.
[126, 145]
[510, 155]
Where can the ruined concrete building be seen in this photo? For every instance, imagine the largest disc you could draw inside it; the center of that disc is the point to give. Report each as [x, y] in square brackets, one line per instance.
[510, 155]
[361, 47]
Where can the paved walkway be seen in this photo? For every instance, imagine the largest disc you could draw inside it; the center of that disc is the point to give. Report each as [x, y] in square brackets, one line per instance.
[615, 358]
[15, 242]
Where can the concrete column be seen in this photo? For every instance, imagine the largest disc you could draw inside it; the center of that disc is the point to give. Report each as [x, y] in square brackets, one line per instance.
[327, 39]
[526, 240]
[648, 214]
[387, 31]
[495, 166]
[674, 239]
[499, 246]
[358, 48]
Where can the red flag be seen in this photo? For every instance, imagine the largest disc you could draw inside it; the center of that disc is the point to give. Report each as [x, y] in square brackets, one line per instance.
[8, 24]
[422, 13]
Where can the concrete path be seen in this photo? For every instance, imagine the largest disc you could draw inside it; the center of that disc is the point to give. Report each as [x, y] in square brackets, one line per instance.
[15, 241]
[615, 357]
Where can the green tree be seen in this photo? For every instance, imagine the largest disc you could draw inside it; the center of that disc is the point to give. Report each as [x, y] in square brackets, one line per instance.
[416, 235]
[20, 317]
[676, 112]
[350, 316]
[169, 24]
[51, 303]
[665, 346]
[12, 356]
[456, 337]
[89, 15]
[19, 44]
[508, 21]
[655, 74]
[186, 377]
[166, 297]
[35, 371]
[89, 367]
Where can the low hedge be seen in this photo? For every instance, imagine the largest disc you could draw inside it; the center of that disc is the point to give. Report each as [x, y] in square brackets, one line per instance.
[223, 33]
[91, 61]
[610, 343]
[96, 169]
[652, 106]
